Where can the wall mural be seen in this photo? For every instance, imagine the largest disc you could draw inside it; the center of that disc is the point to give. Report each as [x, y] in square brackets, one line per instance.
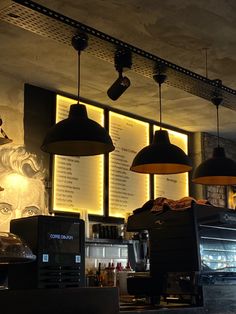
[22, 182]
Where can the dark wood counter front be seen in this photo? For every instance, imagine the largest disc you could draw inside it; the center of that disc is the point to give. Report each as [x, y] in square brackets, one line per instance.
[60, 301]
[218, 299]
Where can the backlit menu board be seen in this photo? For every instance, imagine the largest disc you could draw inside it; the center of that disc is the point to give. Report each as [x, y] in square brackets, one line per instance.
[173, 186]
[78, 181]
[127, 190]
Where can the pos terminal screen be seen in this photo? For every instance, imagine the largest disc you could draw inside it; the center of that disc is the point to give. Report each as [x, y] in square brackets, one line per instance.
[62, 237]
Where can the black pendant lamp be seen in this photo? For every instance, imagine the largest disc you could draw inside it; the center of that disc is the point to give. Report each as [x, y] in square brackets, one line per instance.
[218, 170]
[78, 135]
[161, 157]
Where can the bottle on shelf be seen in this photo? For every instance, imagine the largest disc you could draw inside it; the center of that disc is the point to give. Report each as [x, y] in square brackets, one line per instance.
[128, 266]
[98, 281]
[123, 275]
[111, 275]
[119, 268]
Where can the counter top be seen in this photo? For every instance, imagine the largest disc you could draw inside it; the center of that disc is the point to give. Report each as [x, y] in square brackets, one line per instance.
[163, 310]
[167, 311]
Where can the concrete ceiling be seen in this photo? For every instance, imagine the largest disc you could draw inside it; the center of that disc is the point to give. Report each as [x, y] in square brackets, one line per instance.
[175, 30]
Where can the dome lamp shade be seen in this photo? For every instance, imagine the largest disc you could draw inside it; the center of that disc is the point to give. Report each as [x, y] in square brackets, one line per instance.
[78, 135]
[218, 170]
[161, 157]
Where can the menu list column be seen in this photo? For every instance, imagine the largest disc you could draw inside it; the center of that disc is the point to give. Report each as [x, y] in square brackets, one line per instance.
[127, 190]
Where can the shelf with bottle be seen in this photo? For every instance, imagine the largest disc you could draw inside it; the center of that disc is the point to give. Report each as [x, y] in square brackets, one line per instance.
[107, 241]
[105, 233]
[110, 276]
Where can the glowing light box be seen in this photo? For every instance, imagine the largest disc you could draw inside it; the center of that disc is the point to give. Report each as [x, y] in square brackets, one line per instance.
[174, 186]
[127, 190]
[78, 181]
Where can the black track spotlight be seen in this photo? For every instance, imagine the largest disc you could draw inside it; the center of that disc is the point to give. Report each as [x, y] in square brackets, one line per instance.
[118, 87]
[122, 62]
[78, 135]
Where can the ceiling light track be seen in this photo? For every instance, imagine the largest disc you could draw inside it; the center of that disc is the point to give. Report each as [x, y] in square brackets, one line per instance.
[45, 22]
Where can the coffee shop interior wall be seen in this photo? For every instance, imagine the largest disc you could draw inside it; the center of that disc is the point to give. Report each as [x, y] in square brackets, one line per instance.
[21, 172]
[12, 113]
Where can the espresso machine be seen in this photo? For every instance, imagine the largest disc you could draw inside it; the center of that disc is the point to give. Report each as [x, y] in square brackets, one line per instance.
[191, 252]
[140, 242]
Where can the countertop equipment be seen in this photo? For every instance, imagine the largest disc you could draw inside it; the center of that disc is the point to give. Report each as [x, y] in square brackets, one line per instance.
[192, 252]
[59, 244]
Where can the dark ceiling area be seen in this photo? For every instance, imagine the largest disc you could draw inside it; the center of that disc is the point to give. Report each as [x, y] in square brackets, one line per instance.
[186, 33]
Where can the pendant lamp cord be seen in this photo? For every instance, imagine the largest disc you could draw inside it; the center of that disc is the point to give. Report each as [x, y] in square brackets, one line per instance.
[206, 61]
[159, 84]
[78, 75]
[120, 71]
[218, 133]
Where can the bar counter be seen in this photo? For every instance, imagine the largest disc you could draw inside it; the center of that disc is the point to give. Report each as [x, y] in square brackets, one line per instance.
[168, 311]
[218, 299]
[60, 301]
